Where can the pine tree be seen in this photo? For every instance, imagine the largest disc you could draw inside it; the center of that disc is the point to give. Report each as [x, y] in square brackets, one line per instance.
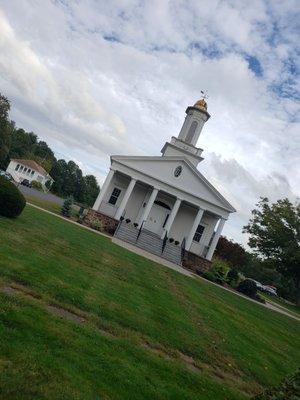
[67, 207]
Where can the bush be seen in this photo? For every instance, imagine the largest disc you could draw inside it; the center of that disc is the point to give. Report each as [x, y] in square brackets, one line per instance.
[96, 224]
[248, 287]
[37, 185]
[219, 269]
[232, 277]
[67, 207]
[210, 276]
[12, 201]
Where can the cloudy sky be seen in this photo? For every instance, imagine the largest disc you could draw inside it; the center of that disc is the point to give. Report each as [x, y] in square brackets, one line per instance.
[95, 78]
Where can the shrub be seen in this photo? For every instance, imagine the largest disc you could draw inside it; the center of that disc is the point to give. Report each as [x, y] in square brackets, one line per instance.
[96, 224]
[219, 271]
[210, 276]
[232, 276]
[248, 287]
[67, 207]
[12, 201]
[37, 185]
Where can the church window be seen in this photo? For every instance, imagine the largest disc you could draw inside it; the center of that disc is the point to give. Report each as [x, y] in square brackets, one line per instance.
[191, 131]
[198, 233]
[114, 196]
[178, 171]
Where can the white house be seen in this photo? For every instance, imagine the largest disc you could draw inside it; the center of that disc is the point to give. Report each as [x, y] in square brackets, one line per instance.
[28, 169]
[164, 203]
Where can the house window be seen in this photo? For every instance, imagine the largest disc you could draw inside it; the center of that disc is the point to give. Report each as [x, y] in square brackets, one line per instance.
[17, 167]
[32, 172]
[25, 169]
[21, 168]
[28, 172]
[198, 233]
[114, 196]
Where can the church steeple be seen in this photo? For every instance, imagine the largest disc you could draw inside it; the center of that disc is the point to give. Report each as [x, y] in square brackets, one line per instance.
[195, 119]
[185, 143]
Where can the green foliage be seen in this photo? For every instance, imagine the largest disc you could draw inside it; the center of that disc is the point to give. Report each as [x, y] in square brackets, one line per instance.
[274, 234]
[248, 287]
[37, 185]
[96, 224]
[69, 180]
[12, 201]
[231, 252]
[289, 389]
[218, 271]
[66, 209]
[232, 276]
[6, 128]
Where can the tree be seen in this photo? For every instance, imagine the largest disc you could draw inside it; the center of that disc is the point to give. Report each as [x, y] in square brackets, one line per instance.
[274, 231]
[231, 251]
[92, 189]
[67, 207]
[6, 128]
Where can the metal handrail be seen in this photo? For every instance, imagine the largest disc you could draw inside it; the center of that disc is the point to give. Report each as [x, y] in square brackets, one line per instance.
[164, 242]
[183, 248]
[140, 231]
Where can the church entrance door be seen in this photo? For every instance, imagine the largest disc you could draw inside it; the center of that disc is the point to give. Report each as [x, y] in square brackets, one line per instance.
[157, 217]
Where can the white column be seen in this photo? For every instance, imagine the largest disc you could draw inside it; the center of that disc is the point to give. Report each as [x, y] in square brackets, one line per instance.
[125, 199]
[171, 217]
[148, 206]
[194, 228]
[103, 190]
[215, 239]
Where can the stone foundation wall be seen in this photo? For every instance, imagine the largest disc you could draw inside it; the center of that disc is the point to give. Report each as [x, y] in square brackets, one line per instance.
[196, 263]
[109, 224]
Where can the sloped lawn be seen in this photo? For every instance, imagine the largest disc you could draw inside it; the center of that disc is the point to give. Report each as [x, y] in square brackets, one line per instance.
[124, 327]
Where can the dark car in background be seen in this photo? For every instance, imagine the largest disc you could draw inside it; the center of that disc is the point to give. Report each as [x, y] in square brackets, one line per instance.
[25, 182]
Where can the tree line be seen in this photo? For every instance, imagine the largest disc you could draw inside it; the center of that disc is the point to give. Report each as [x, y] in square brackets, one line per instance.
[68, 177]
[274, 237]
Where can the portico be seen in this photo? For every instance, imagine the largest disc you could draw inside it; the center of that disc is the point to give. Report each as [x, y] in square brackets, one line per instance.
[167, 197]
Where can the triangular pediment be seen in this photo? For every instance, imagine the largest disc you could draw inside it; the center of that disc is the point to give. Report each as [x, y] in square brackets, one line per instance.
[190, 180]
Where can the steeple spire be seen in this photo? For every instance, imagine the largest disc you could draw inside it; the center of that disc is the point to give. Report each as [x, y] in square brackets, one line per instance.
[195, 119]
[185, 143]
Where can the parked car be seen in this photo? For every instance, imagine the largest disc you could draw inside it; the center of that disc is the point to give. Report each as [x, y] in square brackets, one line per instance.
[271, 290]
[6, 175]
[25, 182]
[258, 284]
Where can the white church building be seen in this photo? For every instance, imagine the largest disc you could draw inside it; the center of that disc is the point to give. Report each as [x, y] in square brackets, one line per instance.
[163, 204]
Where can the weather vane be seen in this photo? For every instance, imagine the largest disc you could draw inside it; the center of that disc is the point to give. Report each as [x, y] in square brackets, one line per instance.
[204, 95]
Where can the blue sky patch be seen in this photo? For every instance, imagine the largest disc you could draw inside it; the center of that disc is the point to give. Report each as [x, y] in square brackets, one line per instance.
[254, 65]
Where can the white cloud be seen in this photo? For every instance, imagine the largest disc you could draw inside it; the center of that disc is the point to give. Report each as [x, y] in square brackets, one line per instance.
[95, 78]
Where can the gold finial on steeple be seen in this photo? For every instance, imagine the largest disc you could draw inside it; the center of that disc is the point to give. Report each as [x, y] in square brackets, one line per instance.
[202, 103]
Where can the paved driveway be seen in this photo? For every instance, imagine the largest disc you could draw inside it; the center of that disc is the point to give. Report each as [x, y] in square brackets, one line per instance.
[40, 195]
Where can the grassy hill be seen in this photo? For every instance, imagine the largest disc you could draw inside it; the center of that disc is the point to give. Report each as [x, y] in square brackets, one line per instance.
[81, 318]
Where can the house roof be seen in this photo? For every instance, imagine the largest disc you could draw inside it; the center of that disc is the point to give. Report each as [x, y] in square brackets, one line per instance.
[33, 165]
[225, 204]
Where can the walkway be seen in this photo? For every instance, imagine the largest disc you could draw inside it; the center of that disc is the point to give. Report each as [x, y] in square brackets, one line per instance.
[170, 265]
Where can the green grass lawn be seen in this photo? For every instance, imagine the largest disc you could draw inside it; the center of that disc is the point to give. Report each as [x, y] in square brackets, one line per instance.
[278, 301]
[150, 333]
[47, 205]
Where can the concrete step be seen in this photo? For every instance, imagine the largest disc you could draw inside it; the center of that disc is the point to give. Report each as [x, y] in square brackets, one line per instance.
[149, 241]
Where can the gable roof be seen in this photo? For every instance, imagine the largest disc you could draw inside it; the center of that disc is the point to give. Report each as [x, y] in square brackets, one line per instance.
[211, 191]
[33, 165]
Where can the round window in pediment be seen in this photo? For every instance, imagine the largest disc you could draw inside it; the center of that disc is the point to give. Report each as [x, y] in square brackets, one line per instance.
[177, 171]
